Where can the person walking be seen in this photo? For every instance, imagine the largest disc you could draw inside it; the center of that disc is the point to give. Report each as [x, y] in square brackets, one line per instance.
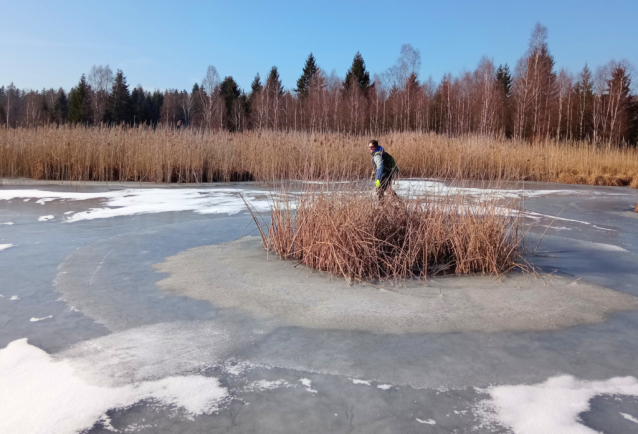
[385, 168]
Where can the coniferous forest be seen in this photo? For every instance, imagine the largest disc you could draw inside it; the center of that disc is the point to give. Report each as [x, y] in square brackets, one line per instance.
[531, 100]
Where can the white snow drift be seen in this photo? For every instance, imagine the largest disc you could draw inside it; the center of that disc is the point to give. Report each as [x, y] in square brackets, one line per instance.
[39, 394]
[552, 406]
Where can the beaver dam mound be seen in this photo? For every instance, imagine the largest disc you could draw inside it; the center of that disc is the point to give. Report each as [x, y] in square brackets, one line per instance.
[239, 276]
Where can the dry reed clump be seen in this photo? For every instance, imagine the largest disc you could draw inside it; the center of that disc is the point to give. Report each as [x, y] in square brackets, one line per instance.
[350, 233]
[189, 155]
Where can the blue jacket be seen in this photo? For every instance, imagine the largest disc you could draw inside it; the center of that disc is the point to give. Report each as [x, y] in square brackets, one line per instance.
[377, 161]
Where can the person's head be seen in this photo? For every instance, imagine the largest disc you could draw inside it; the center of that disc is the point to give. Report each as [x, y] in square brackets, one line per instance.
[373, 145]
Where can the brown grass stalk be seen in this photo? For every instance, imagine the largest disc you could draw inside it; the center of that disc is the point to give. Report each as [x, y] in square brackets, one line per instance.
[194, 156]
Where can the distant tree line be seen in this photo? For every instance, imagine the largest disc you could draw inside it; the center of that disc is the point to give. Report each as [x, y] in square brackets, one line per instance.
[533, 101]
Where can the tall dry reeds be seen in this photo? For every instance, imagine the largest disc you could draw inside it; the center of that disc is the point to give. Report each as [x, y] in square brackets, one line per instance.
[350, 233]
[166, 155]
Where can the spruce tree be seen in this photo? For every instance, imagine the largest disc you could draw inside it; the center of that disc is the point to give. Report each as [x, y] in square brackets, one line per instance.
[120, 102]
[273, 83]
[310, 70]
[504, 79]
[584, 92]
[155, 107]
[357, 74]
[61, 107]
[79, 103]
[230, 92]
[255, 86]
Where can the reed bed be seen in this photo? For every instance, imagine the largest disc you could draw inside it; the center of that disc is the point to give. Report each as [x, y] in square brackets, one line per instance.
[350, 233]
[194, 156]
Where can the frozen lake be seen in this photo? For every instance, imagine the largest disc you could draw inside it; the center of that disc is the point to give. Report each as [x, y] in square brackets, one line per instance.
[90, 342]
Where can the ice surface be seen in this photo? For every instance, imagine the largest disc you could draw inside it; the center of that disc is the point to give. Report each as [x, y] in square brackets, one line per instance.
[39, 394]
[552, 406]
[45, 218]
[227, 200]
[6, 246]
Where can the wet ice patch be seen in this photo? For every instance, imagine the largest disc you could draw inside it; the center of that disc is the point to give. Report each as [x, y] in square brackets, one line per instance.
[6, 246]
[41, 394]
[45, 218]
[552, 406]
[40, 319]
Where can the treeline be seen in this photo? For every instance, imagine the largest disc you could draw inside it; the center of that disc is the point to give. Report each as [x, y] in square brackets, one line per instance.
[533, 101]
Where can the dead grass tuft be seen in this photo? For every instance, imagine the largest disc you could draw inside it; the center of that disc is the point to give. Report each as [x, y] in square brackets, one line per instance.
[350, 233]
[634, 182]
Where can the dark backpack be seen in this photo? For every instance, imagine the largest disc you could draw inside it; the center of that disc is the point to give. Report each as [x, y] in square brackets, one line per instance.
[388, 162]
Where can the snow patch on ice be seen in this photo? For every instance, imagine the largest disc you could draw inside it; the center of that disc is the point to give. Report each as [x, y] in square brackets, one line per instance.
[384, 386]
[40, 319]
[355, 381]
[6, 246]
[629, 417]
[308, 385]
[263, 385]
[426, 421]
[14, 297]
[41, 394]
[7, 223]
[552, 406]
[419, 187]
[152, 200]
[235, 367]
[45, 218]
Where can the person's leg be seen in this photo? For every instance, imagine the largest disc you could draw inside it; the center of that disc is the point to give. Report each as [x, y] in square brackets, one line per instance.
[390, 179]
[384, 185]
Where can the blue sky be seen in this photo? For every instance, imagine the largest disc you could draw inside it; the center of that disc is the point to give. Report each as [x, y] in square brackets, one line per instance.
[163, 44]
